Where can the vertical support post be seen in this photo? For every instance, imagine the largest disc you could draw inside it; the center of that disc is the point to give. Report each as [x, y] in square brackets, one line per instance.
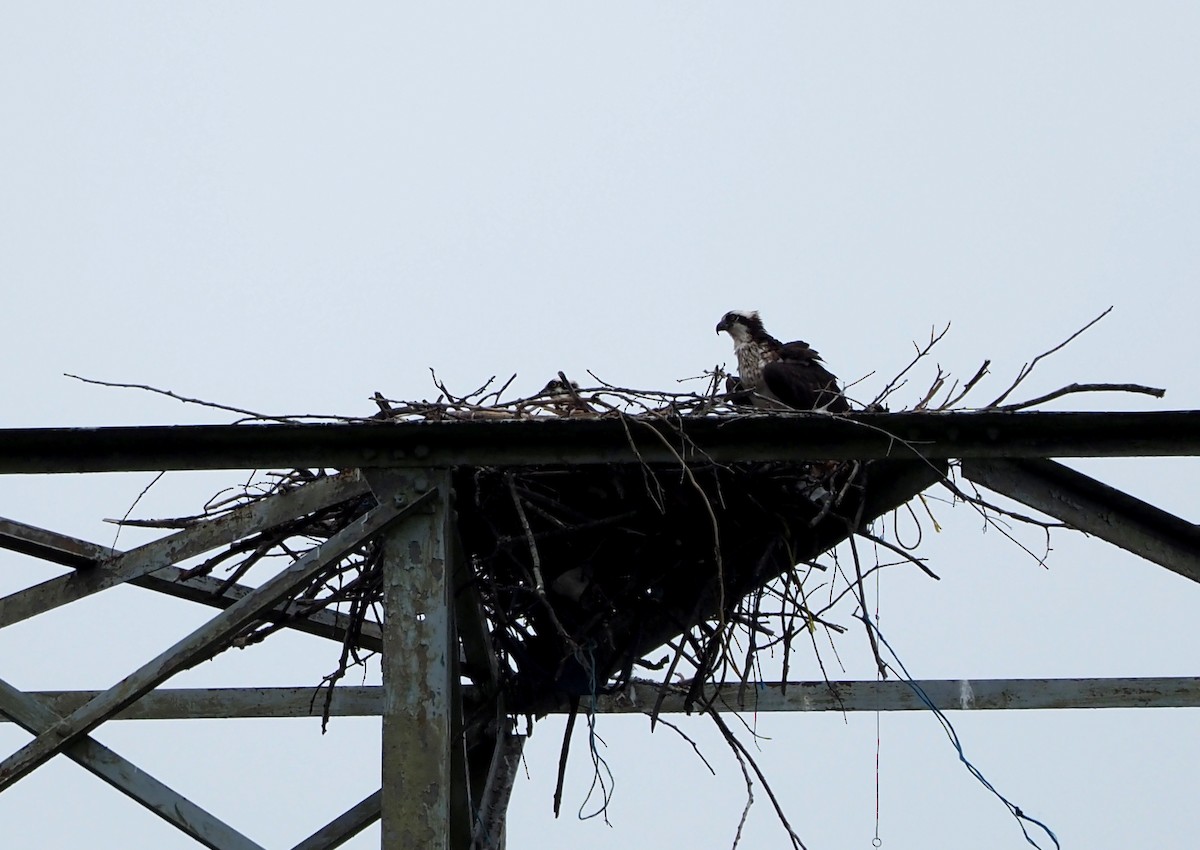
[417, 674]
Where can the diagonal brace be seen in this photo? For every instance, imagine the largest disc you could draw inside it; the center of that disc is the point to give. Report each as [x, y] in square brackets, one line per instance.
[127, 777]
[173, 581]
[1094, 507]
[204, 640]
[234, 525]
[345, 826]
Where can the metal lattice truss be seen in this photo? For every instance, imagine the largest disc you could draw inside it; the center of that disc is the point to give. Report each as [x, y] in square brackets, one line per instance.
[434, 793]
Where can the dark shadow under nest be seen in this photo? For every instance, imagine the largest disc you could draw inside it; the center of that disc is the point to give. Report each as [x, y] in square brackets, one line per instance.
[584, 572]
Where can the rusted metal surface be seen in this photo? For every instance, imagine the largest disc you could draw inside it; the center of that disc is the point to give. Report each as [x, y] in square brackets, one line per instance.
[205, 640]
[168, 550]
[34, 716]
[417, 682]
[1092, 506]
[812, 437]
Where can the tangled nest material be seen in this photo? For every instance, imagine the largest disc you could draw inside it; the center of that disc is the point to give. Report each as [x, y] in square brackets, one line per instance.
[584, 574]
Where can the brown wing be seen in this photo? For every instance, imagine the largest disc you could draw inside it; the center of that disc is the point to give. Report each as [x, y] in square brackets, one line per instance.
[799, 380]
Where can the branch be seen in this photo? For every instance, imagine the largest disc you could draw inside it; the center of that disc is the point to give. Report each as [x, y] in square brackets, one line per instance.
[894, 384]
[1028, 367]
[215, 405]
[1083, 388]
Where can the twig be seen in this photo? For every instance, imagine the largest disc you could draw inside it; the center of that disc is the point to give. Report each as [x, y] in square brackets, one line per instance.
[252, 414]
[538, 582]
[123, 520]
[746, 759]
[1084, 388]
[967, 387]
[895, 383]
[1029, 367]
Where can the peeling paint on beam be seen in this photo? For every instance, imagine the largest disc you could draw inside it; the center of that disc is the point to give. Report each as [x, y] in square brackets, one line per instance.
[573, 441]
[418, 690]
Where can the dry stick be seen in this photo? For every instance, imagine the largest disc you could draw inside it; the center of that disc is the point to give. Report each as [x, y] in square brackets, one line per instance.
[538, 582]
[385, 408]
[695, 746]
[481, 390]
[939, 381]
[862, 594]
[978, 504]
[145, 490]
[712, 517]
[967, 387]
[893, 384]
[578, 404]
[178, 522]
[981, 502]
[358, 613]
[903, 553]
[812, 636]
[248, 413]
[666, 682]
[564, 752]
[1028, 367]
[442, 388]
[855, 468]
[497, 393]
[1085, 388]
[741, 752]
[834, 599]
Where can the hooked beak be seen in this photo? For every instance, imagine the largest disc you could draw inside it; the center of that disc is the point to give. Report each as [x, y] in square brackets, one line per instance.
[722, 326]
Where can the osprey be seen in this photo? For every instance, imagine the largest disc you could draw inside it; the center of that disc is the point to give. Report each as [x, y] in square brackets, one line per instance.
[779, 374]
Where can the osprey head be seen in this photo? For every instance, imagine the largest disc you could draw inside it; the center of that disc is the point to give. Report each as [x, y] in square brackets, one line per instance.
[742, 325]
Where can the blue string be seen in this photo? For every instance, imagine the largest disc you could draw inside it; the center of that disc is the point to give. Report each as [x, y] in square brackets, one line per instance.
[598, 762]
[949, 729]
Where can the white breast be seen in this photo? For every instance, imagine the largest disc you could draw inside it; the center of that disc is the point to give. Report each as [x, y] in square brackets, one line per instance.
[749, 365]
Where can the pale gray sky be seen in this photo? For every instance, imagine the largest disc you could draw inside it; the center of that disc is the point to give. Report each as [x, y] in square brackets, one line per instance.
[288, 206]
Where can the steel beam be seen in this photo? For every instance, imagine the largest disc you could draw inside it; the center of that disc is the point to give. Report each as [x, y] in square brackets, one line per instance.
[224, 703]
[777, 436]
[1094, 507]
[172, 581]
[345, 826]
[51, 546]
[417, 682]
[146, 559]
[31, 714]
[489, 829]
[947, 694]
[202, 642]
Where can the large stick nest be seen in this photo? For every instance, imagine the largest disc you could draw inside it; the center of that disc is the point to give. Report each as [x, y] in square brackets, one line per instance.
[581, 575]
